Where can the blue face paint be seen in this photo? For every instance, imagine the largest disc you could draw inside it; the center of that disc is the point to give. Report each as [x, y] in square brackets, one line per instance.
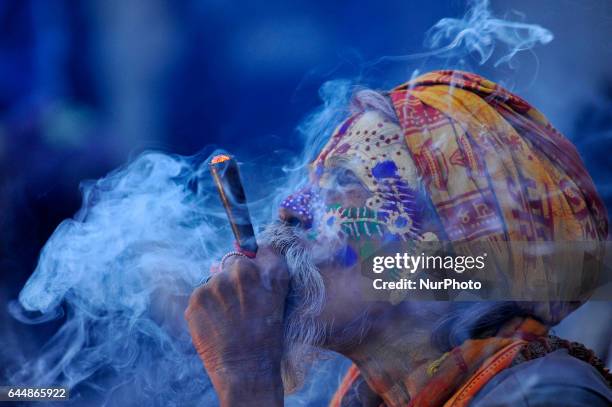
[385, 169]
[401, 221]
[331, 221]
[347, 256]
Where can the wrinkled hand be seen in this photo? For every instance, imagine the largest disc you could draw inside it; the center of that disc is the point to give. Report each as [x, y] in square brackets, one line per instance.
[236, 323]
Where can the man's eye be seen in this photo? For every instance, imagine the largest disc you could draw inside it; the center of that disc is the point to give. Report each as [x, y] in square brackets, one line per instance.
[345, 178]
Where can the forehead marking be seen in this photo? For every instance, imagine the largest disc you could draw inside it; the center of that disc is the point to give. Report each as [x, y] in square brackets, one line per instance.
[336, 138]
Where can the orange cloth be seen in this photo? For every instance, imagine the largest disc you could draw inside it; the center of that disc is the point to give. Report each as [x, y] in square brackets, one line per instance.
[455, 378]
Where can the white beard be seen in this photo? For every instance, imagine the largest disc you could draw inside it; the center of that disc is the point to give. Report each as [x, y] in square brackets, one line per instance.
[303, 334]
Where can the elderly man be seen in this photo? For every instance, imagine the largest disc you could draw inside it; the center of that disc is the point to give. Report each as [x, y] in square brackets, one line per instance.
[448, 157]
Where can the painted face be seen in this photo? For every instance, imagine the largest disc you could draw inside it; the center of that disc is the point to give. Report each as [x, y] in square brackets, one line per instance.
[363, 185]
[362, 194]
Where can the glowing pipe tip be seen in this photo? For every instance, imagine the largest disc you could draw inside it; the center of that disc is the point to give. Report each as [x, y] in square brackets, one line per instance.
[220, 158]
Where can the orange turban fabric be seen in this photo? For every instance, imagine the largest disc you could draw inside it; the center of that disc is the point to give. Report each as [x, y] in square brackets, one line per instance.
[497, 171]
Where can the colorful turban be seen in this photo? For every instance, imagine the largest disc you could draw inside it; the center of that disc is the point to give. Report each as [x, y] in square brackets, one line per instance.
[497, 171]
[493, 167]
[492, 164]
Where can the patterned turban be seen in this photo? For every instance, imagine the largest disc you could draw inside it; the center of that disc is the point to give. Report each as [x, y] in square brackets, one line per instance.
[493, 167]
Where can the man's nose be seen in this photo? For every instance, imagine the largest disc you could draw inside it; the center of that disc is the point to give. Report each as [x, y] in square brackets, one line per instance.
[297, 208]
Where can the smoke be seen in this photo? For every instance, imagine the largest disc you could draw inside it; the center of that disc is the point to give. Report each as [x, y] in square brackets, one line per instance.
[479, 33]
[122, 269]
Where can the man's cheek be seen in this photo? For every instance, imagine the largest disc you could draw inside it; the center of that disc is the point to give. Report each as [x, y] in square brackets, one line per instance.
[346, 256]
